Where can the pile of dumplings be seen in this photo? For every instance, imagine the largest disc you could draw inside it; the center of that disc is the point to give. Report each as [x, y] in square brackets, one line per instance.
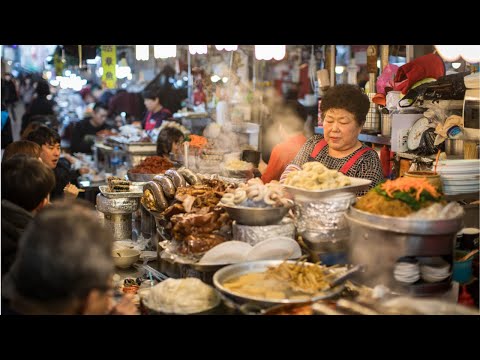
[316, 176]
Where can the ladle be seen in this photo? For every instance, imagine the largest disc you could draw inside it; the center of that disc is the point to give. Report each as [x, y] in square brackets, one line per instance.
[346, 275]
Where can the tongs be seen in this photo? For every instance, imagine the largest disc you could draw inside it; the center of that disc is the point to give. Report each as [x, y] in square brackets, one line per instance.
[348, 274]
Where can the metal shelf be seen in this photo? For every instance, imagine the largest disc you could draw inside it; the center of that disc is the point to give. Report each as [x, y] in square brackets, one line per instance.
[374, 139]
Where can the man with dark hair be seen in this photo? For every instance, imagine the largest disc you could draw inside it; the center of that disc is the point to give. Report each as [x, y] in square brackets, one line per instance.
[64, 265]
[26, 187]
[49, 140]
[83, 134]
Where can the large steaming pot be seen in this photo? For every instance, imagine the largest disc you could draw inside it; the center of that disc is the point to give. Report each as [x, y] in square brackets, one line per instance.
[379, 241]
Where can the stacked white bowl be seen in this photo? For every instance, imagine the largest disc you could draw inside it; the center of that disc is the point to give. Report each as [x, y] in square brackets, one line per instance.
[459, 176]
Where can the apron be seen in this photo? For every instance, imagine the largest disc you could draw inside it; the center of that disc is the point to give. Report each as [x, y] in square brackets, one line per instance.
[347, 166]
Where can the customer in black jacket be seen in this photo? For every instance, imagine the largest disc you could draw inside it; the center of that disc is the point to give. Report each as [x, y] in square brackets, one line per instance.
[83, 134]
[26, 185]
[49, 140]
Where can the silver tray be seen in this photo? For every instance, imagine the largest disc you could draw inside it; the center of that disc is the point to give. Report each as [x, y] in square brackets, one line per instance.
[135, 192]
[138, 177]
[144, 148]
[358, 184]
[256, 216]
[235, 270]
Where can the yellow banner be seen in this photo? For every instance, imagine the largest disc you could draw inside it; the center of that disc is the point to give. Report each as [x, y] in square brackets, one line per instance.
[109, 61]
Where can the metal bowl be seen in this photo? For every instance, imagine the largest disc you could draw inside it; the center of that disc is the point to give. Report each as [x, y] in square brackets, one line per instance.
[236, 270]
[140, 177]
[257, 216]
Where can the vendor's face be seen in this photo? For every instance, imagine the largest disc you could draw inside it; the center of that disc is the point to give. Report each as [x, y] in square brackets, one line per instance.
[50, 154]
[151, 104]
[340, 129]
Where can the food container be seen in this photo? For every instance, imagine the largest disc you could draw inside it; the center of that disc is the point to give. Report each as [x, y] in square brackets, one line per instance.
[255, 234]
[462, 270]
[432, 178]
[257, 216]
[140, 177]
[321, 223]
[235, 270]
[379, 241]
[136, 191]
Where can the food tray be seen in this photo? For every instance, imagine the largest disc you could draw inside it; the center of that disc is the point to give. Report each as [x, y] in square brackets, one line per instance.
[135, 192]
[144, 148]
[232, 271]
[358, 184]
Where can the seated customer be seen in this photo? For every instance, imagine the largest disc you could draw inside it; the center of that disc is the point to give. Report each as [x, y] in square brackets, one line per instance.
[64, 266]
[290, 124]
[49, 140]
[169, 140]
[83, 134]
[22, 147]
[26, 185]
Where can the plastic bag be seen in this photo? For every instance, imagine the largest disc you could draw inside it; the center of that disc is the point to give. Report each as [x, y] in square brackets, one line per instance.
[385, 81]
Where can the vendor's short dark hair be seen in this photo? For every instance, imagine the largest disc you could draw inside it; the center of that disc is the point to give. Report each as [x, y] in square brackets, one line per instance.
[166, 138]
[347, 97]
[44, 136]
[26, 181]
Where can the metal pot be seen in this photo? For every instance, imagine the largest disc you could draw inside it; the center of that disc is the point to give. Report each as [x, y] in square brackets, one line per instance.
[454, 147]
[380, 241]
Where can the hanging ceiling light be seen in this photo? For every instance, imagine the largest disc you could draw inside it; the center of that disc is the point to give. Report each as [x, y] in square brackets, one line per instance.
[142, 52]
[164, 51]
[267, 52]
[470, 53]
[226, 47]
[197, 49]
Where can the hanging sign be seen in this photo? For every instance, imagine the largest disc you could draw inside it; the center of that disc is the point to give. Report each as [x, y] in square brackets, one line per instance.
[109, 61]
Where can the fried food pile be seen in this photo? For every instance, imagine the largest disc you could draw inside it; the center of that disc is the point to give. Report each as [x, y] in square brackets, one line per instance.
[297, 280]
[189, 214]
[400, 197]
[152, 165]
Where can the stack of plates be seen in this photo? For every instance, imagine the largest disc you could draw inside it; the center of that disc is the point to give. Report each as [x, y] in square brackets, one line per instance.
[407, 272]
[460, 176]
[434, 269]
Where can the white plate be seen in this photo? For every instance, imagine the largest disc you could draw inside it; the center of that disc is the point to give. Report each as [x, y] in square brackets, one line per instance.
[229, 252]
[357, 184]
[279, 248]
[453, 171]
[461, 182]
[458, 176]
[460, 162]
